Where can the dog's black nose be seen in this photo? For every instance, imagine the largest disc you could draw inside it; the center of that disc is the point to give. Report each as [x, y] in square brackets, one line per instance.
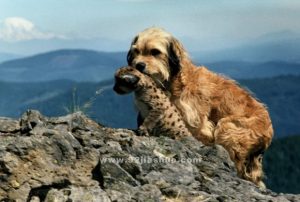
[140, 66]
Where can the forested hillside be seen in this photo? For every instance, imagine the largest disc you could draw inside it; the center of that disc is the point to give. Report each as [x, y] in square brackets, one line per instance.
[280, 94]
[282, 165]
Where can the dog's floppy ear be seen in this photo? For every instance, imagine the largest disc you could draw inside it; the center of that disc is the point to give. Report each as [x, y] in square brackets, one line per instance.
[175, 54]
[129, 57]
[129, 54]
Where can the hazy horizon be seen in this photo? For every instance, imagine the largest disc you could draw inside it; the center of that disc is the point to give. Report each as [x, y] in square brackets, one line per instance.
[29, 27]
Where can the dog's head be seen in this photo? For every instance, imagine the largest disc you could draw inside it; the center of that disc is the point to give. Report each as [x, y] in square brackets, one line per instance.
[127, 80]
[156, 53]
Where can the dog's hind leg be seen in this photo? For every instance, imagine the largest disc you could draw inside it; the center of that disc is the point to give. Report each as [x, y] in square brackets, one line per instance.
[244, 145]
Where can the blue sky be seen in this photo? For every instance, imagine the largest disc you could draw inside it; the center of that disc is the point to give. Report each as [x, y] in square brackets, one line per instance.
[209, 24]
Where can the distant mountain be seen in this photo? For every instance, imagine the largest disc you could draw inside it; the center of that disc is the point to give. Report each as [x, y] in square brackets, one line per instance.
[88, 65]
[280, 94]
[35, 46]
[280, 46]
[8, 56]
[77, 65]
[251, 70]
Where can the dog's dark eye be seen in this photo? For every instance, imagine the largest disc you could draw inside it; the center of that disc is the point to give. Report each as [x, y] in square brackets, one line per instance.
[136, 51]
[155, 52]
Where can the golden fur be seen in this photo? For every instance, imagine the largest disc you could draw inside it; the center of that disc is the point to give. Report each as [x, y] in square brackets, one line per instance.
[215, 109]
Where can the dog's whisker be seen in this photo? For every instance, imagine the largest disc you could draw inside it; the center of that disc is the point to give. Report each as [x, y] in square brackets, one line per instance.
[160, 83]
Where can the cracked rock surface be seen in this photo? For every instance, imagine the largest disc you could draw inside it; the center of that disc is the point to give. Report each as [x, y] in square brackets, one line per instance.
[73, 158]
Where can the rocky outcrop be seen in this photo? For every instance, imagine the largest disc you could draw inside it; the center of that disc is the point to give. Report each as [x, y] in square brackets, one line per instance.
[72, 158]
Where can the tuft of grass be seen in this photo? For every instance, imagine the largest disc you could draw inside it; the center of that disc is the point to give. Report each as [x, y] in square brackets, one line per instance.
[77, 106]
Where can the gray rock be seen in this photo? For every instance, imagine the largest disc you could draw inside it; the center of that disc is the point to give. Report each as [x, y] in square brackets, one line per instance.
[8, 125]
[73, 158]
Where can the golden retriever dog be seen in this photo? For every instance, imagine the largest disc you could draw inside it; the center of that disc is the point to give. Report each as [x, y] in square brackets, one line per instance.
[215, 109]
